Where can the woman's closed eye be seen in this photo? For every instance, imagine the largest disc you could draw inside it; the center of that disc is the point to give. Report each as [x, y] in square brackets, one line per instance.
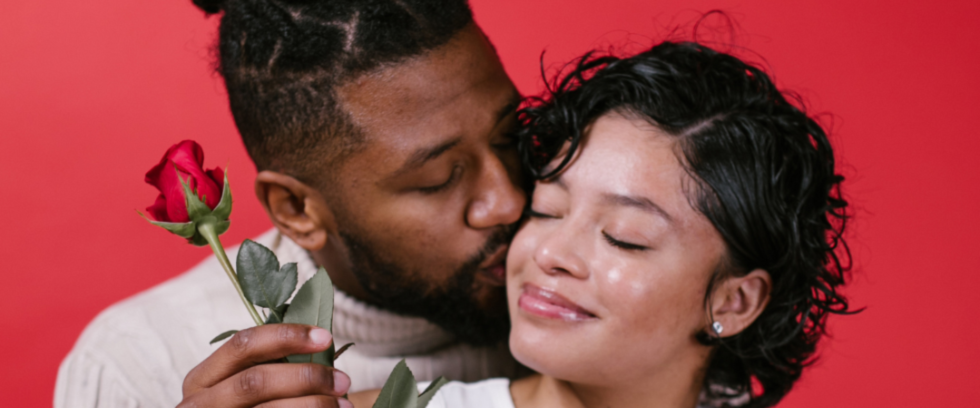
[622, 244]
[530, 212]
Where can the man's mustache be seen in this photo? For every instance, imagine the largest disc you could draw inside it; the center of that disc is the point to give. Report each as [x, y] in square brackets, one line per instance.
[502, 236]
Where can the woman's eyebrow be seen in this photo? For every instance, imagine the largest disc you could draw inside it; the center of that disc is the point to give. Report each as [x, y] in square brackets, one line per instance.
[642, 203]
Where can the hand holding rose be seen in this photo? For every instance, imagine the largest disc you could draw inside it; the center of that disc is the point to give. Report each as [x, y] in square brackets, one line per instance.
[193, 206]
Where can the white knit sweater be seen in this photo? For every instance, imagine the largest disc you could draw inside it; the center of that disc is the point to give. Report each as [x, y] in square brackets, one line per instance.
[137, 352]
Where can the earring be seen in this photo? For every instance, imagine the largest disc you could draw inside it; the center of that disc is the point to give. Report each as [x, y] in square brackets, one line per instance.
[716, 326]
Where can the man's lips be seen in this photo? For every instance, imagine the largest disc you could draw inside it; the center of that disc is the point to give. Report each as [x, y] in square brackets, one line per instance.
[492, 270]
[549, 304]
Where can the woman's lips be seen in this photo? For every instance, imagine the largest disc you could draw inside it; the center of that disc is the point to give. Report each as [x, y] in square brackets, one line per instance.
[547, 303]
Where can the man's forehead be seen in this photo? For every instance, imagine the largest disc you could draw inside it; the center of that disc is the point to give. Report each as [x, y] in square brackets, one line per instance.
[408, 89]
[447, 93]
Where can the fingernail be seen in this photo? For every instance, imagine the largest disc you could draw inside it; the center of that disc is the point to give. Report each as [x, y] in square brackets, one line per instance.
[344, 403]
[341, 382]
[320, 336]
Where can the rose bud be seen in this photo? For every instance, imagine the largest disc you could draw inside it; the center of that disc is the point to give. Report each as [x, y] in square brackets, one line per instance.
[190, 197]
[187, 158]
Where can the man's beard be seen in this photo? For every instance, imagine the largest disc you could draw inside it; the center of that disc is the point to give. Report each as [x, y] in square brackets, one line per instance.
[451, 305]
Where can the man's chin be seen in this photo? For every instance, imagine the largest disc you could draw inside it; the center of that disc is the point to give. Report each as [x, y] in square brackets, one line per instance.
[481, 320]
[471, 303]
[491, 299]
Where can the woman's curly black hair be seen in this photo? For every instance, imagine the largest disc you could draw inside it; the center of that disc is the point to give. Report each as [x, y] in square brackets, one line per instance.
[765, 177]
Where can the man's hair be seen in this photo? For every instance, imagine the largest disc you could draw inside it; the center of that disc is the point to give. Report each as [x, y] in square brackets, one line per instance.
[764, 175]
[282, 61]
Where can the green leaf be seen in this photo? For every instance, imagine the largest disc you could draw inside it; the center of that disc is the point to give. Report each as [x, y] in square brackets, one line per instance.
[223, 210]
[198, 240]
[223, 336]
[313, 305]
[195, 208]
[400, 390]
[341, 350]
[181, 229]
[431, 391]
[276, 314]
[221, 227]
[262, 281]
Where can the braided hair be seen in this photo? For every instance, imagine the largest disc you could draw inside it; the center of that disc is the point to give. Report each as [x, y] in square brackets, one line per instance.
[282, 61]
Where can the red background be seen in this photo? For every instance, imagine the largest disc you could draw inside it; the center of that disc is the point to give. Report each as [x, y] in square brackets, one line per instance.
[93, 92]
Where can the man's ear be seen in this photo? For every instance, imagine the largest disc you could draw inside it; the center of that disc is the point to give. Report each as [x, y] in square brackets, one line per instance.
[738, 301]
[296, 209]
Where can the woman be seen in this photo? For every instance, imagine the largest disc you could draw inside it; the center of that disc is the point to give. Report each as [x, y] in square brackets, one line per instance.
[679, 250]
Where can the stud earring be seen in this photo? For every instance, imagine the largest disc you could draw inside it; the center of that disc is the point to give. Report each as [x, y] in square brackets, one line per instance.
[716, 326]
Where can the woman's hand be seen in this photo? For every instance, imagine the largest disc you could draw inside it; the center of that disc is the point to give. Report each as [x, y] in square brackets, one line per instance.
[237, 375]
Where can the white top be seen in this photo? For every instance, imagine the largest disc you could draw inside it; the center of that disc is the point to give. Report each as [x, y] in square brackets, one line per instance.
[492, 393]
[137, 352]
[495, 393]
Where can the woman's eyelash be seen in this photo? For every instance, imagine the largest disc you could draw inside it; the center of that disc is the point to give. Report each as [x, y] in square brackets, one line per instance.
[622, 245]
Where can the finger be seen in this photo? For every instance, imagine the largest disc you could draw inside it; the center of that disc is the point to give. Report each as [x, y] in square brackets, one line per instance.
[253, 346]
[313, 401]
[270, 382]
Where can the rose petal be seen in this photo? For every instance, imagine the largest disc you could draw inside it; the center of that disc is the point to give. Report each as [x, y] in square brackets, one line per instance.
[185, 158]
[188, 161]
[187, 149]
[218, 175]
[173, 190]
[208, 191]
[158, 211]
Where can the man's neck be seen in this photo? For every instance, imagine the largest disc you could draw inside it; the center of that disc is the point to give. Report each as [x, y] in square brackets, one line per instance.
[376, 331]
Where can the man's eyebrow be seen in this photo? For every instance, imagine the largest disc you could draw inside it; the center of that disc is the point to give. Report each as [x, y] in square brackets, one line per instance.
[642, 203]
[508, 109]
[425, 154]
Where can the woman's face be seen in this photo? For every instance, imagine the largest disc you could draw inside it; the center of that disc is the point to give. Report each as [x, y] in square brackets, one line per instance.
[606, 281]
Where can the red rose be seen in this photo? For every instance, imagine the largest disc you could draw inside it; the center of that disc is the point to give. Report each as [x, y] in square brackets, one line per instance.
[187, 159]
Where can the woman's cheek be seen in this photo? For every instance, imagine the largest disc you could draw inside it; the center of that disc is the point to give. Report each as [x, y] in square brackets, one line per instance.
[620, 282]
[520, 255]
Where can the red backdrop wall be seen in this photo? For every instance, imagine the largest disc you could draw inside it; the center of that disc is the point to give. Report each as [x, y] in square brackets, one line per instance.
[92, 93]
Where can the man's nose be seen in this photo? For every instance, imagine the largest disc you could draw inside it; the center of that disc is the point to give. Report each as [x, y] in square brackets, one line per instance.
[498, 198]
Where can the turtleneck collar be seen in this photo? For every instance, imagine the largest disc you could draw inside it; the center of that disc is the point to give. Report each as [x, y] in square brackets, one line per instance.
[376, 332]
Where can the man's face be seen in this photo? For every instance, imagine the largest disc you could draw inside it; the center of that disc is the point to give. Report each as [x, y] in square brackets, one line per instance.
[427, 207]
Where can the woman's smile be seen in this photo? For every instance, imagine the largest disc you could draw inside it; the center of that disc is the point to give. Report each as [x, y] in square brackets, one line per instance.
[551, 305]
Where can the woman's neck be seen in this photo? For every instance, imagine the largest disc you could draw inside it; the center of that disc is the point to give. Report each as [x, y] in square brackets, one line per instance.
[670, 391]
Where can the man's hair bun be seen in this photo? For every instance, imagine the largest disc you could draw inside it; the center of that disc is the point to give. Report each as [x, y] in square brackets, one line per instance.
[210, 6]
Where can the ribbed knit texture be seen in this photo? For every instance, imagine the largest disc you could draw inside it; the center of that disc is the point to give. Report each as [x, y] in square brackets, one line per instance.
[375, 331]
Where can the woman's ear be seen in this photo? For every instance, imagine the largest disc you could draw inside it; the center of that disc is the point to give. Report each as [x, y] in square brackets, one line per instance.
[738, 301]
[296, 209]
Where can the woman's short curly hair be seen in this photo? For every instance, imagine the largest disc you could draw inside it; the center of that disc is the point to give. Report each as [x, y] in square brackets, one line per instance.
[764, 175]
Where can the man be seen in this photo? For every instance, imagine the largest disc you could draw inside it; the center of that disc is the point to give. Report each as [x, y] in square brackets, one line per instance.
[380, 130]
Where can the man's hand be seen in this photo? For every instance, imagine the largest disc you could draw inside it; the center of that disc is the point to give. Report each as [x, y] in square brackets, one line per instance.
[235, 376]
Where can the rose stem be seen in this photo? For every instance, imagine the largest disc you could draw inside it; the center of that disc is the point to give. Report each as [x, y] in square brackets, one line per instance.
[207, 231]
